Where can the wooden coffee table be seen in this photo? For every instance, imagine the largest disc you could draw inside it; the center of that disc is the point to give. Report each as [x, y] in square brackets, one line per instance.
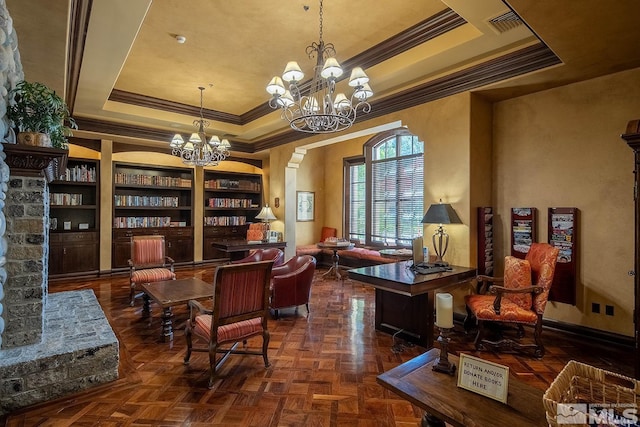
[173, 292]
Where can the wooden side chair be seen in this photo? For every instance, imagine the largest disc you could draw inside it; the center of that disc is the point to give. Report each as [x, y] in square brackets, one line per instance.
[520, 300]
[240, 311]
[148, 263]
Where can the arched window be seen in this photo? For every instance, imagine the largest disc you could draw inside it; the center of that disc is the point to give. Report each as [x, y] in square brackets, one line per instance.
[384, 190]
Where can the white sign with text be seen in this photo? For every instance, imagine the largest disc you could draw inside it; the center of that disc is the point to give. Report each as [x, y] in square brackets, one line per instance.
[483, 377]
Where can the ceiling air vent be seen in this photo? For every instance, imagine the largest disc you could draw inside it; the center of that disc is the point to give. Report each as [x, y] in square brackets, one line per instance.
[505, 22]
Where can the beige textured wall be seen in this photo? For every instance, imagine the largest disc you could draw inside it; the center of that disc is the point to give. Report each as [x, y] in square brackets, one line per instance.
[562, 148]
[444, 125]
[334, 156]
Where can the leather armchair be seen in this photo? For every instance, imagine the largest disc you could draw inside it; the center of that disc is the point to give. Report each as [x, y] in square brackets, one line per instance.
[291, 283]
[269, 254]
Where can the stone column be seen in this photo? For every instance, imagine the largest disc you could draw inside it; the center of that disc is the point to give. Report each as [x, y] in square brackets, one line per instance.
[27, 207]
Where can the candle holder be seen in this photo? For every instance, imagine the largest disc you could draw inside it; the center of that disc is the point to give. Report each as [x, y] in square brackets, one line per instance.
[443, 364]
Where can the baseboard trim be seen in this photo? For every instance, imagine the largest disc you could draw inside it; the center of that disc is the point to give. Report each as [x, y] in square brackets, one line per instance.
[604, 337]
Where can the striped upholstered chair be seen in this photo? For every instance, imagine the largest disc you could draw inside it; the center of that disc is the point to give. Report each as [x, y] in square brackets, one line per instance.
[240, 310]
[148, 263]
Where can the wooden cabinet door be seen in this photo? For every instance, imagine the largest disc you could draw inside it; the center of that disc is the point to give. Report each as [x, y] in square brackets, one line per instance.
[80, 256]
[55, 258]
[179, 243]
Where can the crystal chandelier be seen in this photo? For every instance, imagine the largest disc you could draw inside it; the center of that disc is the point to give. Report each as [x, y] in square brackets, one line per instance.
[317, 109]
[197, 151]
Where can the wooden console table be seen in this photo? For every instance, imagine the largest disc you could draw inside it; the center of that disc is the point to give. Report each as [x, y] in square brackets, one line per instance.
[405, 300]
[238, 249]
[439, 395]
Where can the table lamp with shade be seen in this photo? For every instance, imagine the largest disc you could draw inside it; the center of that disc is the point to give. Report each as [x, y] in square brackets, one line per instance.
[266, 215]
[441, 213]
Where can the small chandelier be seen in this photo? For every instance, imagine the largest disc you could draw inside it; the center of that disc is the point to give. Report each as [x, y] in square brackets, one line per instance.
[319, 110]
[197, 151]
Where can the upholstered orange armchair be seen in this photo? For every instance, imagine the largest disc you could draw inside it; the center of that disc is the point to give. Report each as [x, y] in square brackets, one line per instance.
[148, 263]
[291, 283]
[240, 311]
[274, 254]
[520, 301]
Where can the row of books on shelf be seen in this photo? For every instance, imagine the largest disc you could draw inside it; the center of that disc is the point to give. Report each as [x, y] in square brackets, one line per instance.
[65, 199]
[232, 184]
[141, 221]
[144, 201]
[225, 220]
[217, 202]
[151, 180]
[81, 173]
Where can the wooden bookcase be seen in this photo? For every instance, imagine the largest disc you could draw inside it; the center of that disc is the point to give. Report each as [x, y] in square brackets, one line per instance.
[152, 200]
[74, 220]
[563, 234]
[485, 240]
[231, 201]
[523, 230]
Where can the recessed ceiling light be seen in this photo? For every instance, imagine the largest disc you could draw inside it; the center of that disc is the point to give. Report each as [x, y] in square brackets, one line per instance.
[181, 39]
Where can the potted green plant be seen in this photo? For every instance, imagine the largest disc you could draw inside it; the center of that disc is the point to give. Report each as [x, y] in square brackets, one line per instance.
[40, 116]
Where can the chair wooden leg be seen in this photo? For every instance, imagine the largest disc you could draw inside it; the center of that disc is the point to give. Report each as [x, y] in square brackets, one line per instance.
[479, 336]
[266, 336]
[132, 294]
[213, 349]
[537, 335]
[469, 321]
[187, 334]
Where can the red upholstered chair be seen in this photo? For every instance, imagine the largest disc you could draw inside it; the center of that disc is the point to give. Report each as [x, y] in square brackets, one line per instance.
[520, 301]
[313, 249]
[328, 232]
[268, 254]
[291, 283]
[240, 310]
[148, 263]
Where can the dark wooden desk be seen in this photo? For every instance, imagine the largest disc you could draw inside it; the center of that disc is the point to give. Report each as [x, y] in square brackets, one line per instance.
[439, 396]
[405, 300]
[238, 249]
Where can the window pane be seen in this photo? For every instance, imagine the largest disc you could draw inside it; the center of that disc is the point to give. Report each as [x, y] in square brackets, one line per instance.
[397, 191]
[406, 145]
[395, 200]
[357, 203]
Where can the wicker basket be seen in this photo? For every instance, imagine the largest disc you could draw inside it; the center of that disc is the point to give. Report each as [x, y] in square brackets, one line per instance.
[584, 386]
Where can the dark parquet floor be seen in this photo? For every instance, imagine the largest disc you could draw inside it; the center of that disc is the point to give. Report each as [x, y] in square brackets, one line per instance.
[323, 368]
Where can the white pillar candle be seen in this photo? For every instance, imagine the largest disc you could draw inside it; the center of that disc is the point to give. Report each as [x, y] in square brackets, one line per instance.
[444, 311]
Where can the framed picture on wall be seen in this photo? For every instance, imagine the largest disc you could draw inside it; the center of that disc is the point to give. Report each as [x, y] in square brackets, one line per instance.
[305, 206]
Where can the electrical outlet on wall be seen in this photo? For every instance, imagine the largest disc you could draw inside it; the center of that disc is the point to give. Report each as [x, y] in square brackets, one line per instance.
[595, 307]
[608, 310]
